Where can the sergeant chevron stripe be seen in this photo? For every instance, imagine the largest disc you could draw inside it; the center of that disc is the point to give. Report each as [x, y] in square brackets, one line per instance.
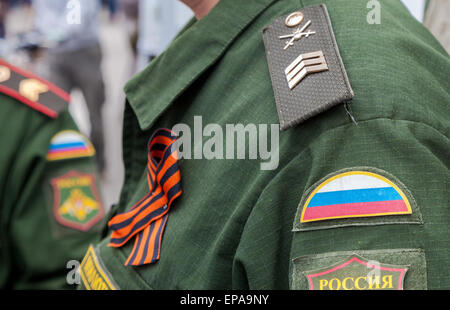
[147, 218]
[303, 65]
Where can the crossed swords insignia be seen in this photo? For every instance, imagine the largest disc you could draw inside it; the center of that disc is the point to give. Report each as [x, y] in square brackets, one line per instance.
[297, 35]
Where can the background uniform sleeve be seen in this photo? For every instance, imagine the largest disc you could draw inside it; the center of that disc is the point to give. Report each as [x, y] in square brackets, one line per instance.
[35, 247]
[272, 254]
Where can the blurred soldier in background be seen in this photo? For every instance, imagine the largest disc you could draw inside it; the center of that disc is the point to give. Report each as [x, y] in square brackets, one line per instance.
[3, 10]
[130, 11]
[111, 5]
[159, 23]
[50, 207]
[437, 20]
[74, 56]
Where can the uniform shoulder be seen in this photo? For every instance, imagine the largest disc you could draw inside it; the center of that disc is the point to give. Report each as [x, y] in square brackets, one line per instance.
[396, 68]
[32, 90]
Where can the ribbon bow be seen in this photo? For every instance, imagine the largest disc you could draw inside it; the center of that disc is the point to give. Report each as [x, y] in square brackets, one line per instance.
[148, 217]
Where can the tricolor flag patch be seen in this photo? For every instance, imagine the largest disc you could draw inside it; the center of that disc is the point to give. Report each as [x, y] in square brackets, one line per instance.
[69, 144]
[354, 194]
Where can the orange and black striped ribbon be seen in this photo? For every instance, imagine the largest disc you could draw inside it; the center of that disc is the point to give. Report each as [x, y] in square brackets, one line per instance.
[148, 217]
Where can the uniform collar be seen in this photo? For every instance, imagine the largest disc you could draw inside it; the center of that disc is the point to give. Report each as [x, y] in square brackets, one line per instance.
[189, 55]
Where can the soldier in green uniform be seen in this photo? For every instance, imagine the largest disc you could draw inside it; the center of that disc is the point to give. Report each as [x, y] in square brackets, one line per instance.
[50, 204]
[359, 195]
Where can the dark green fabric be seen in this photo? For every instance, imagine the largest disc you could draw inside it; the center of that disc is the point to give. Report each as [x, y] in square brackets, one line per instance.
[34, 247]
[232, 226]
[412, 259]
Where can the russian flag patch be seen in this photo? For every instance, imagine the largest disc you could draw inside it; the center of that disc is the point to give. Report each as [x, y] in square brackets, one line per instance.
[354, 194]
[69, 144]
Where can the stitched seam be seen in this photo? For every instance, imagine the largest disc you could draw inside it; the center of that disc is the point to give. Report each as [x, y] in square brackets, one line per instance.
[307, 149]
[365, 121]
[327, 131]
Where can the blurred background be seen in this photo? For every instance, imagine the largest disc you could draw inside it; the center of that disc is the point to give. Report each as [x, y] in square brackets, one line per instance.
[91, 48]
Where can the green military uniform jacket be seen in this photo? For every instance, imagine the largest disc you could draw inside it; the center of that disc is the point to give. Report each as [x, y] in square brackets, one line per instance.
[50, 205]
[239, 227]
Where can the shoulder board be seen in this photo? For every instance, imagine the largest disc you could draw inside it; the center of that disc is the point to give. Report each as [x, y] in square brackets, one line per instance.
[307, 72]
[31, 90]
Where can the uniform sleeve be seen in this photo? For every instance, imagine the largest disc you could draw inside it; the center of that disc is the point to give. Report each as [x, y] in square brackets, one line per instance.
[51, 208]
[364, 206]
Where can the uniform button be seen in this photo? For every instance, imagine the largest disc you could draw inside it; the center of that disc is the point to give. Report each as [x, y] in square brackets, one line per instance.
[294, 19]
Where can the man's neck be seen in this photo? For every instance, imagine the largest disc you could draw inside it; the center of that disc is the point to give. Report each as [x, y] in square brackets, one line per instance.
[200, 7]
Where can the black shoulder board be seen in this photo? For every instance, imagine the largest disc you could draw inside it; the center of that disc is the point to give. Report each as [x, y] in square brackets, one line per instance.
[35, 92]
[307, 72]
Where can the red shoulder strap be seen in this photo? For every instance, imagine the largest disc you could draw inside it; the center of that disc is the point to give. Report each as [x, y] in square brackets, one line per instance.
[35, 92]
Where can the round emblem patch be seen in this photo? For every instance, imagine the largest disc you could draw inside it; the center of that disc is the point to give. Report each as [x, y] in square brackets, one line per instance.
[77, 203]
